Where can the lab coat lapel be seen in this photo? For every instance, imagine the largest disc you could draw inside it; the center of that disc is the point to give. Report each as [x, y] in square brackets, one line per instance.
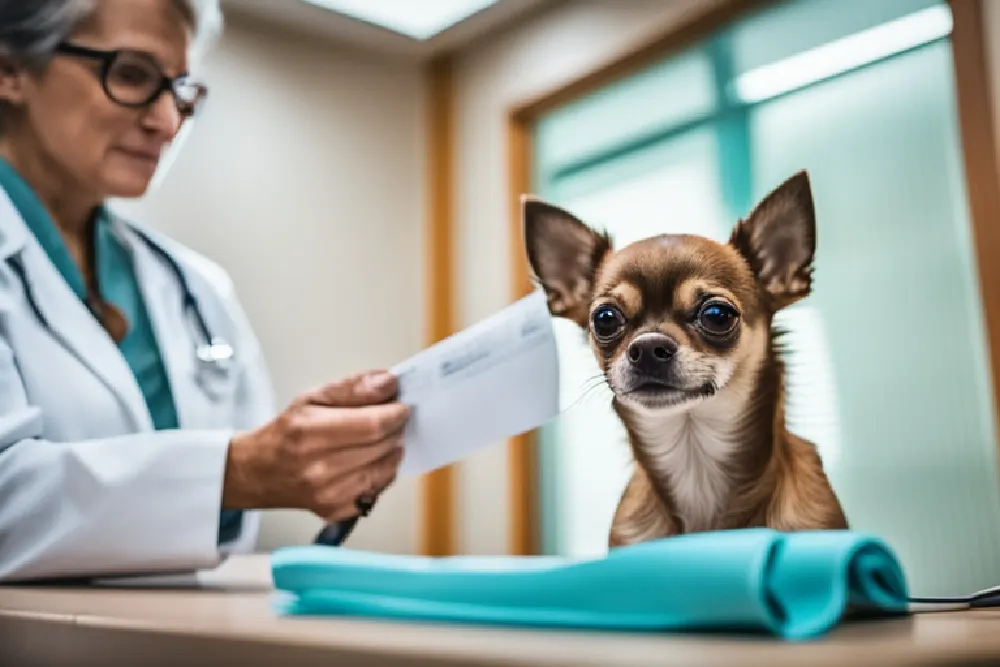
[67, 318]
[165, 306]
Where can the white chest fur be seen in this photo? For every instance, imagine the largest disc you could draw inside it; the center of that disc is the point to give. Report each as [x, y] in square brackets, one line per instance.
[687, 450]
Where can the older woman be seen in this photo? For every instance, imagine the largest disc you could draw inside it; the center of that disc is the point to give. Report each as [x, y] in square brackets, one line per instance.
[136, 427]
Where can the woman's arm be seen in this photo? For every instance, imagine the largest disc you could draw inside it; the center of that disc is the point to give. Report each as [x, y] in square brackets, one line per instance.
[255, 406]
[140, 502]
[151, 502]
[119, 505]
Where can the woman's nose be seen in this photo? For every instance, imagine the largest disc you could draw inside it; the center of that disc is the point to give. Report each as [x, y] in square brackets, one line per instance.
[163, 116]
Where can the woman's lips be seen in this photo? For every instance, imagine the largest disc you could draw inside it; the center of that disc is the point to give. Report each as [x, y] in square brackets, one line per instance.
[151, 157]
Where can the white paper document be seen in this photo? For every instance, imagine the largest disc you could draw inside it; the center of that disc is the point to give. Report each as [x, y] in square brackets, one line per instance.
[498, 378]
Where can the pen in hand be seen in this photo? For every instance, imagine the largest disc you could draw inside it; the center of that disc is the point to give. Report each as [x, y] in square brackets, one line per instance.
[334, 534]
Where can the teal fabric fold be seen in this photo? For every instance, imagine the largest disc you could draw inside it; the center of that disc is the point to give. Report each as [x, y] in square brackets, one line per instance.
[792, 585]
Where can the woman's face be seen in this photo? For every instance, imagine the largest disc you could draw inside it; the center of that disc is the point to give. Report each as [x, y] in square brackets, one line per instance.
[104, 148]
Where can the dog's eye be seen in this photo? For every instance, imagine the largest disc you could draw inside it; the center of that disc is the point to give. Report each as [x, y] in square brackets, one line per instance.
[608, 321]
[717, 318]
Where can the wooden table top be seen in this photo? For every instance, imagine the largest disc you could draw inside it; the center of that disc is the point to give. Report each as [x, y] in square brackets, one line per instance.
[232, 618]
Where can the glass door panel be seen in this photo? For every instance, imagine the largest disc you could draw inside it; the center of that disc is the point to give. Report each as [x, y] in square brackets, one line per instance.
[888, 368]
[585, 456]
[897, 296]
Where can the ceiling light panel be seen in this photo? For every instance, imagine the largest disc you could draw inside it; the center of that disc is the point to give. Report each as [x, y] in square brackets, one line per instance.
[419, 19]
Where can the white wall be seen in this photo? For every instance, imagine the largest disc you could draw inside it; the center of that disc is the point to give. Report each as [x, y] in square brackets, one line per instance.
[492, 77]
[304, 179]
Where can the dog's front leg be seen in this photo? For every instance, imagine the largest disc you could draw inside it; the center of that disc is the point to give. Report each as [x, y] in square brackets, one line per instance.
[641, 514]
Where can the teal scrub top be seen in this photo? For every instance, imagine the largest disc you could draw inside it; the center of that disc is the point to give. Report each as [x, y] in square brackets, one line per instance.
[117, 283]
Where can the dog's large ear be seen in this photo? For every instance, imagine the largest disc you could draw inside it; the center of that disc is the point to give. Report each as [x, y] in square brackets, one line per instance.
[778, 240]
[564, 254]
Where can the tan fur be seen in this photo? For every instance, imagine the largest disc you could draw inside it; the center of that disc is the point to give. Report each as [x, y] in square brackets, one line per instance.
[789, 492]
[628, 296]
[702, 402]
[792, 494]
[641, 513]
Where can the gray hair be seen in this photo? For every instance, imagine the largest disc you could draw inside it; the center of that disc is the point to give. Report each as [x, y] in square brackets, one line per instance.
[30, 30]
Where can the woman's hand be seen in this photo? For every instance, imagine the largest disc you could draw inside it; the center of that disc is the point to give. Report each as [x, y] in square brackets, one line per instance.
[327, 449]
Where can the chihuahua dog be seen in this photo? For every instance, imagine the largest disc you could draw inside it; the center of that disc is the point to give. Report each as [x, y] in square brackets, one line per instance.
[681, 327]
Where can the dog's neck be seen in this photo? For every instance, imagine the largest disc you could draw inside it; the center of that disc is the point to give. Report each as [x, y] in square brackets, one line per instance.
[706, 460]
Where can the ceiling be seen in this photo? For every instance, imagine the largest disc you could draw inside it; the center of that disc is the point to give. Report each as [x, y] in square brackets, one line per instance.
[363, 23]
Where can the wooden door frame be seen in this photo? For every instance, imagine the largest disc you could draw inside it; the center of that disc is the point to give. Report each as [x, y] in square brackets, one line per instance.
[437, 488]
[978, 144]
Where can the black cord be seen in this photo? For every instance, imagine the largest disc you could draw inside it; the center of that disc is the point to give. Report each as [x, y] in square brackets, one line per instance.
[984, 599]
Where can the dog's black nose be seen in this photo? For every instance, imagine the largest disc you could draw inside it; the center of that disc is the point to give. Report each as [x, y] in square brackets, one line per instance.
[650, 351]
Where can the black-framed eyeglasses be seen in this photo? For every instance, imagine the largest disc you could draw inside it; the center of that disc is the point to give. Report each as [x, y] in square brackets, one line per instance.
[134, 79]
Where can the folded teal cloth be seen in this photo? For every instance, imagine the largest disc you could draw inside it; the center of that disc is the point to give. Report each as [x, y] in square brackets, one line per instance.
[792, 585]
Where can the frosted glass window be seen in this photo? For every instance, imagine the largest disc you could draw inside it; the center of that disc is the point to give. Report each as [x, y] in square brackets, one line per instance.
[897, 292]
[586, 456]
[792, 27]
[637, 106]
[888, 371]
[672, 187]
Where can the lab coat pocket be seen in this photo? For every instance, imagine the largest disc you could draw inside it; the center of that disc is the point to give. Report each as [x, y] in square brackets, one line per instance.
[218, 386]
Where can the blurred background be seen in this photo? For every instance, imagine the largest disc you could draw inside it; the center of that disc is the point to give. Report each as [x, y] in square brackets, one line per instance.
[357, 171]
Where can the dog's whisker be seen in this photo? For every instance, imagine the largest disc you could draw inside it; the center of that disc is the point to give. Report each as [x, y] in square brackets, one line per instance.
[588, 387]
[585, 396]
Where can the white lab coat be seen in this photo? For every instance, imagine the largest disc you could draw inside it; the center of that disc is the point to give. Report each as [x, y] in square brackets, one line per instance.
[87, 487]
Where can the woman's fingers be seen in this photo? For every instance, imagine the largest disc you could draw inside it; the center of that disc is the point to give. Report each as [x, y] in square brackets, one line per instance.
[323, 451]
[317, 430]
[343, 463]
[368, 388]
[366, 482]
